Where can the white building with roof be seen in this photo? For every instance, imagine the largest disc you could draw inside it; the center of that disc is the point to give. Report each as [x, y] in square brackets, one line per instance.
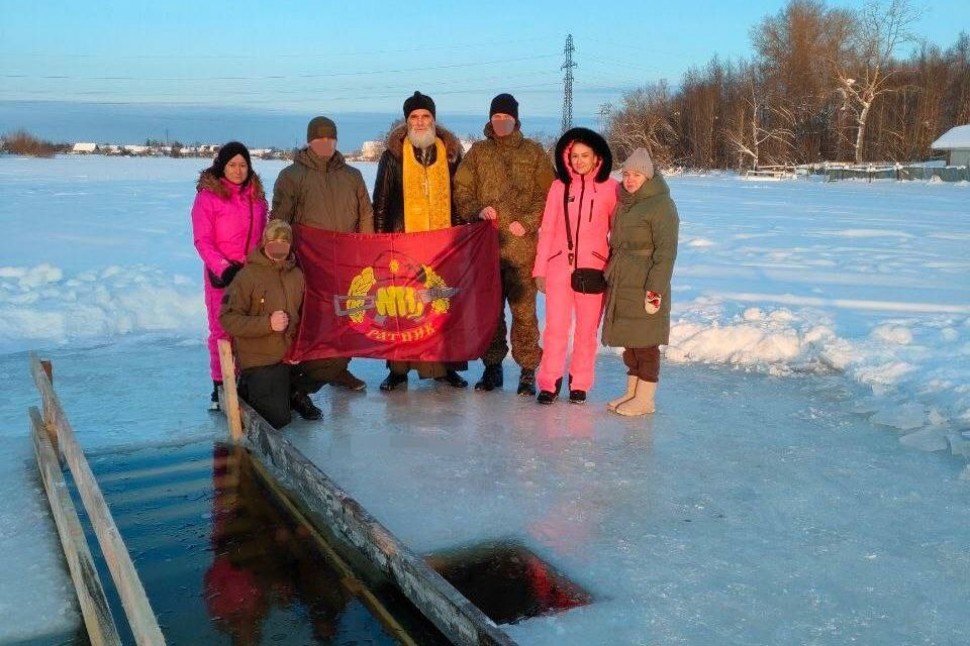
[84, 148]
[956, 143]
[371, 150]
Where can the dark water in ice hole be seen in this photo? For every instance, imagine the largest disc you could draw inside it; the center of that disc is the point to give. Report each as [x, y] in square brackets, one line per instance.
[222, 562]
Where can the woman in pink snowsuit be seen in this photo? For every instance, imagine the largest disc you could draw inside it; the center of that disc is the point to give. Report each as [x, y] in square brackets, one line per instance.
[228, 218]
[583, 195]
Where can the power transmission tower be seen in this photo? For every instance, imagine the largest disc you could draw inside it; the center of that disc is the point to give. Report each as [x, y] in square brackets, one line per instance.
[567, 94]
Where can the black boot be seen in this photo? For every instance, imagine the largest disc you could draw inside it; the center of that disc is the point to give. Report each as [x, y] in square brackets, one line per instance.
[393, 381]
[304, 407]
[491, 379]
[577, 396]
[547, 396]
[453, 379]
[214, 399]
[527, 383]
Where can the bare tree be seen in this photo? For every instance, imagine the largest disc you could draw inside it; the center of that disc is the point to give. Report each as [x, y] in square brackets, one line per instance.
[959, 96]
[867, 72]
[793, 49]
[642, 120]
[700, 106]
[920, 104]
[758, 119]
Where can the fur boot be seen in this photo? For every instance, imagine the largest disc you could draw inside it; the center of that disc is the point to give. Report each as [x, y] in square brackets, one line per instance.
[642, 402]
[631, 387]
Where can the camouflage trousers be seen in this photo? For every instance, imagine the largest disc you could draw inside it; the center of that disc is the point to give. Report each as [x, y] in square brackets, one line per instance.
[519, 291]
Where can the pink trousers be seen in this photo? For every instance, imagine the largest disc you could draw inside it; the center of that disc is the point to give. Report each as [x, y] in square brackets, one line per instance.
[213, 302]
[562, 306]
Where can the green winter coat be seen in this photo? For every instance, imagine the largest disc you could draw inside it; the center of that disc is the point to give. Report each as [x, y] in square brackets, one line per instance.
[324, 194]
[513, 175]
[259, 289]
[643, 247]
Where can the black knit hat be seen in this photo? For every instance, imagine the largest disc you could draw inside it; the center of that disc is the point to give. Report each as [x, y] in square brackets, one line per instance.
[505, 104]
[227, 152]
[418, 101]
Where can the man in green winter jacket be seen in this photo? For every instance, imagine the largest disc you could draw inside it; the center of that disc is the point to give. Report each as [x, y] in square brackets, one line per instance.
[320, 190]
[505, 178]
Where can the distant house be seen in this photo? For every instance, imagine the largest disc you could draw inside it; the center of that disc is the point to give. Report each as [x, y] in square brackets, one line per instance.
[84, 148]
[136, 149]
[371, 150]
[956, 143]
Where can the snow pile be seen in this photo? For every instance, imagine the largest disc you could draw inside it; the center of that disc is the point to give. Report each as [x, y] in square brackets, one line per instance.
[912, 374]
[40, 306]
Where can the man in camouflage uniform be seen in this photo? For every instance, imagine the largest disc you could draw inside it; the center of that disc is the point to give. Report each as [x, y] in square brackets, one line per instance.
[504, 178]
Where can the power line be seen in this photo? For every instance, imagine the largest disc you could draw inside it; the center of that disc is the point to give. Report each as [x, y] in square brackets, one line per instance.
[279, 77]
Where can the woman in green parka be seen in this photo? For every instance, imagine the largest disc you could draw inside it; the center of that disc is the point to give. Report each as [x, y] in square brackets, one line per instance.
[643, 247]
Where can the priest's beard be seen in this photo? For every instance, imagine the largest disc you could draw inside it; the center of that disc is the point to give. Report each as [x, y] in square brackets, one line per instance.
[422, 140]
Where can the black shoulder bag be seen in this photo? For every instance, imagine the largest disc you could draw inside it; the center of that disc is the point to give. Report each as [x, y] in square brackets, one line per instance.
[584, 280]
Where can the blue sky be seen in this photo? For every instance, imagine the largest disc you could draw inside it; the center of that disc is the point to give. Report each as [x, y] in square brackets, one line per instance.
[368, 56]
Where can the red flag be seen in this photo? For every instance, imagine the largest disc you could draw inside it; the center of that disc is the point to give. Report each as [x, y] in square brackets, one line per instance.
[429, 296]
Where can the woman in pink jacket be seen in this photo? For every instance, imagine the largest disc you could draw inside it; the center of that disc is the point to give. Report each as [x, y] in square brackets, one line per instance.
[228, 218]
[574, 236]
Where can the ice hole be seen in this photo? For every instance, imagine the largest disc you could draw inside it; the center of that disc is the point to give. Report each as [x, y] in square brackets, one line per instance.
[508, 582]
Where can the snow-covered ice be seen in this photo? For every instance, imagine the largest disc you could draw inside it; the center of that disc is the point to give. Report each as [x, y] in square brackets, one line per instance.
[800, 484]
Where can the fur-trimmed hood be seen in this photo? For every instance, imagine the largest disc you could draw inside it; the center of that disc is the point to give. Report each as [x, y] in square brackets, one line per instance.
[209, 182]
[395, 142]
[594, 140]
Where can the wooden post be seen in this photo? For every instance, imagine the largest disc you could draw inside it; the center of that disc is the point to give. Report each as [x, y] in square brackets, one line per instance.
[49, 415]
[98, 621]
[230, 397]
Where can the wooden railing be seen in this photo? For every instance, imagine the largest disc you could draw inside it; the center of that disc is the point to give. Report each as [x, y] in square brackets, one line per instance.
[53, 439]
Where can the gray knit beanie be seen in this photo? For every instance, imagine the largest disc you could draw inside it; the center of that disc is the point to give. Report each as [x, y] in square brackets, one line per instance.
[640, 162]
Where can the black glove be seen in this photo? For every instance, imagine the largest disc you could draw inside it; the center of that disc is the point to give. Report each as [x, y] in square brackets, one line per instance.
[229, 273]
